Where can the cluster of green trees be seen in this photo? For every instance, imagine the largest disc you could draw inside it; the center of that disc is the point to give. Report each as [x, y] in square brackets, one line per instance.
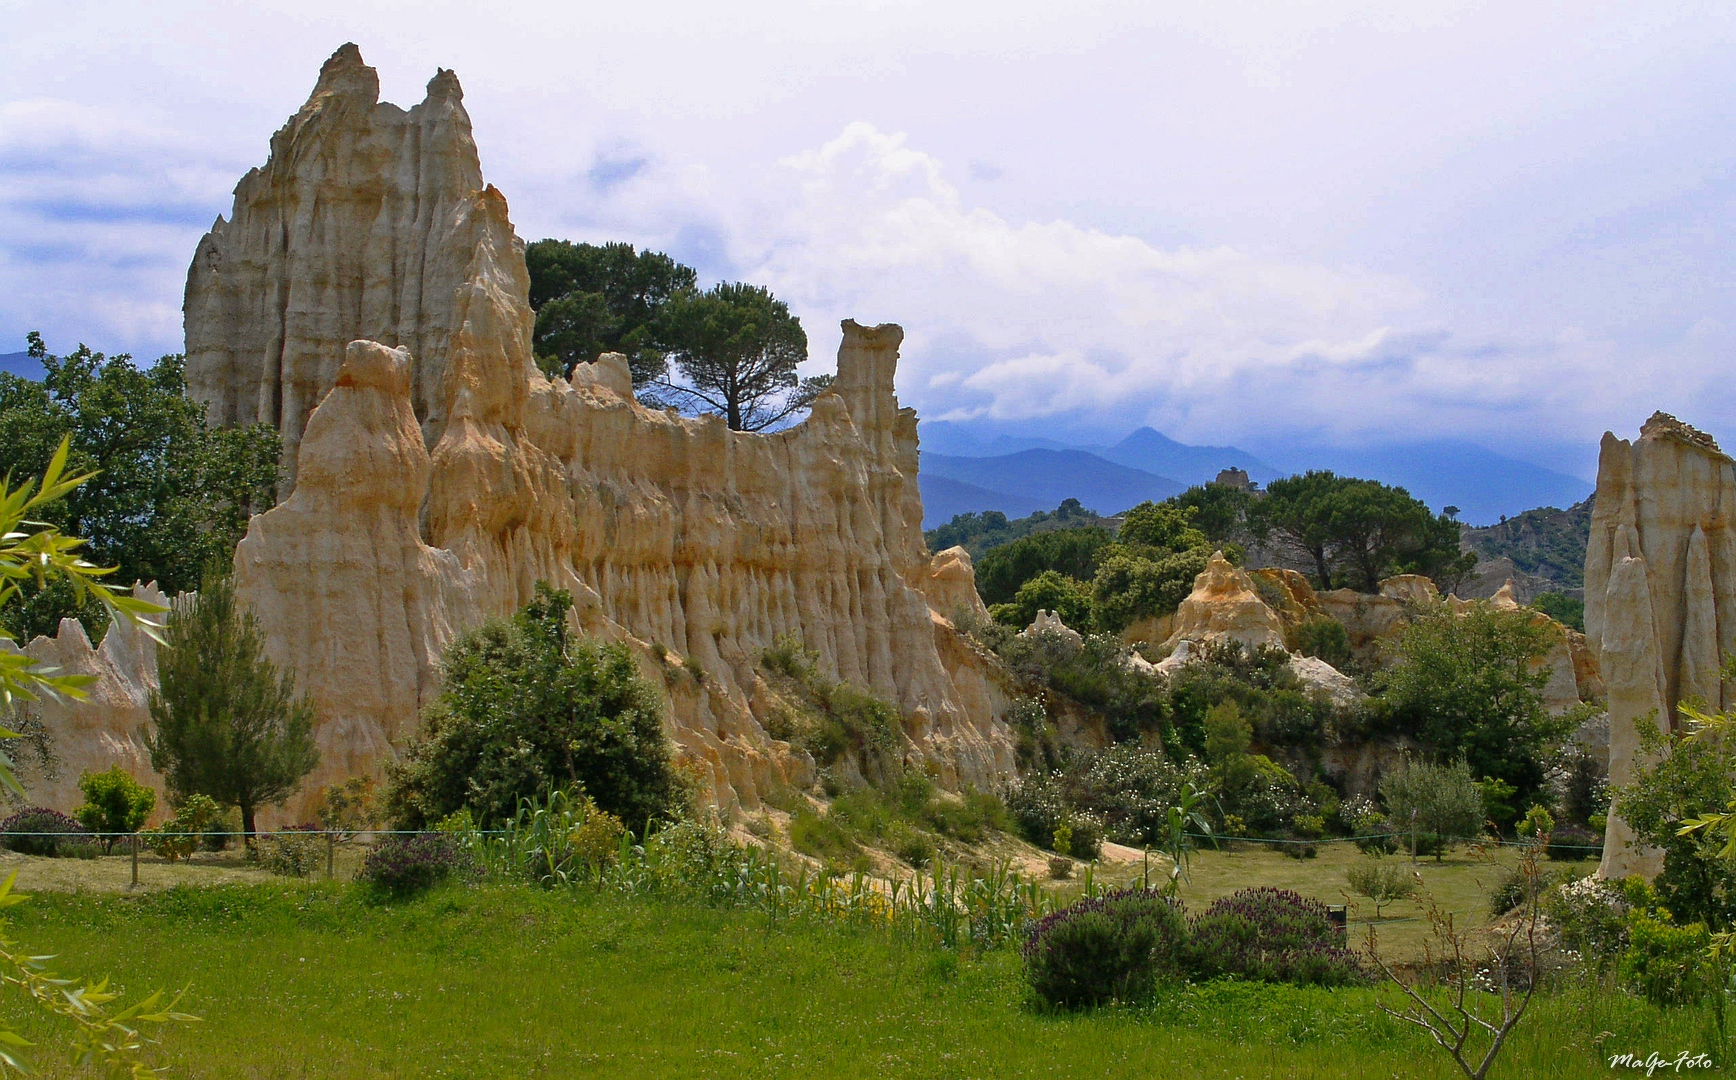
[978, 532]
[733, 348]
[166, 495]
[1095, 580]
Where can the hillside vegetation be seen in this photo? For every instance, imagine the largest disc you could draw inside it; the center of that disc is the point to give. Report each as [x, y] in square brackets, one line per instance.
[1547, 542]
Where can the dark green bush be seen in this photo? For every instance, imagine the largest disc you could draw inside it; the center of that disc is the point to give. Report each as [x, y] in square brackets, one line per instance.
[403, 865]
[1574, 842]
[1113, 947]
[528, 709]
[37, 830]
[1667, 964]
[1324, 637]
[1271, 935]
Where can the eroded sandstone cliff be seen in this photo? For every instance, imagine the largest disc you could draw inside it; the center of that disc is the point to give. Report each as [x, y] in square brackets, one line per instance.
[370, 298]
[1660, 593]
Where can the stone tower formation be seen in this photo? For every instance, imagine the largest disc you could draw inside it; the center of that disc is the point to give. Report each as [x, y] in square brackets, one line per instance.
[368, 297]
[1660, 594]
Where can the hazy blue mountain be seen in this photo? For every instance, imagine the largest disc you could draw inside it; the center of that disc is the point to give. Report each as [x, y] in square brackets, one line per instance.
[943, 498]
[1155, 452]
[1050, 476]
[20, 363]
[962, 440]
[1483, 484]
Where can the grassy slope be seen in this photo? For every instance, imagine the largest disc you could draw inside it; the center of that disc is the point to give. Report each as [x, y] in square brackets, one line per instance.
[310, 980]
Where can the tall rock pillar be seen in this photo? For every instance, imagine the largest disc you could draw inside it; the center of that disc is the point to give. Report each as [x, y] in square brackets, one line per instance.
[1660, 594]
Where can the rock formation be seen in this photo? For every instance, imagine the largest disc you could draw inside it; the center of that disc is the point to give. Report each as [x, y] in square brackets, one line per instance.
[369, 297]
[106, 728]
[1660, 593]
[1223, 604]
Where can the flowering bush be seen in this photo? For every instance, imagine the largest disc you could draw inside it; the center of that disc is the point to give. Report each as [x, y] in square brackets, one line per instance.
[1591, 915]
[1272, 935]
[402, 865]
[293, 852]
[37, 830]
[1110, 947]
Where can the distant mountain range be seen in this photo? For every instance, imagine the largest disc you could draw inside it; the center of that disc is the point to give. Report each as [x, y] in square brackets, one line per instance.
[20, 363]
[1038, 479]
[988, 470]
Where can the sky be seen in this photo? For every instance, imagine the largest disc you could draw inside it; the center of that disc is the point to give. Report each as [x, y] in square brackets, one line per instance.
[1266, 224]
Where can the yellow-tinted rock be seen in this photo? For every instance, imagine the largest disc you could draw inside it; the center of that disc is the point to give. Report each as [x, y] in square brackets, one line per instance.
[1223, 604]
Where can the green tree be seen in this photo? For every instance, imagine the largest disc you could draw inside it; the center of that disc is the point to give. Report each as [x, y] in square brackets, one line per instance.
[1567, 610]
[167, 493]
[1048, 591]
[737, 348]
[526, 710]
[114, 803]
[1003, 570]
[1433, 800]
[225, 722]
[1470, 686]
[1150, 568]
[596, 298]
[1220, 512]
[1358, 531]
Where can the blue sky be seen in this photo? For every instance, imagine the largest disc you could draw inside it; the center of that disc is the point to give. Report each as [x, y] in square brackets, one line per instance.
[1250, 223]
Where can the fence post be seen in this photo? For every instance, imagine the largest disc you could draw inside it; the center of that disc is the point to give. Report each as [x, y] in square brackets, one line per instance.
[331, 847]
[135, 846]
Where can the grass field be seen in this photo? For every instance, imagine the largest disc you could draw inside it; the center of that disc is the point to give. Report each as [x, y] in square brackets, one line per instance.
[314, 980]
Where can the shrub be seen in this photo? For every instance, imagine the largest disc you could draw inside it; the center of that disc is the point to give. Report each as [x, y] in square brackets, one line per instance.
[1272, 935]
[1324, 637]
[114, 803]
[1440, 800]
[1131, 788]
[403, 865]
[1512, 891]
[1112, 947]
[295, 852]
[350, 807]
[55, 834]
[822, 837]
[1381, 882]
[526, 709]
[178, 837]
[1573, 842]
[830, 719]
[1591, 915]
[1667, 964]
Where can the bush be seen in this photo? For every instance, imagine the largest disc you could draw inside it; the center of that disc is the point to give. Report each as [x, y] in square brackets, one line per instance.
[1591, 915]
[56, 835]
[832, 719]
[1573, 842]
[1667, 964]
[1511, 892]
[292, 852]
[179, 836]
[114, 803]
[1272, 935]
[526, 709]
[822, 837]
[1324, 637]
[1381, 882]
[403, 865]
[1113, 947]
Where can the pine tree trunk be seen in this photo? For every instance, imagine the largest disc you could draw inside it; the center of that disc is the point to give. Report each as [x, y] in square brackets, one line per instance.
[247, 823]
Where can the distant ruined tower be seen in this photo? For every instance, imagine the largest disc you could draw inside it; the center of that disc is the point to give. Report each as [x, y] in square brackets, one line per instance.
[1660, 594]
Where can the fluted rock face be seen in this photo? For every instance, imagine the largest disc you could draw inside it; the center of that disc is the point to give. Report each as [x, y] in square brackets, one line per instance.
[1660, 591]
[358, 226]
[441, 475]
[107, 727]
[1223, 604]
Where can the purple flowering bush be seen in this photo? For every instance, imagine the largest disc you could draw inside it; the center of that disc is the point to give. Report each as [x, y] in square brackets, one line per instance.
[402, 865]
[1112, 947]
[1271, 935]
[16, 832]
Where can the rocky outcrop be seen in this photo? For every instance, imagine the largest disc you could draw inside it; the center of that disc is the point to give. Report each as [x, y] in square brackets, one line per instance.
[361, 225]
[1660, 592]
[1224, 605]
[951, 585]
[441, 475]
[108, 726]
